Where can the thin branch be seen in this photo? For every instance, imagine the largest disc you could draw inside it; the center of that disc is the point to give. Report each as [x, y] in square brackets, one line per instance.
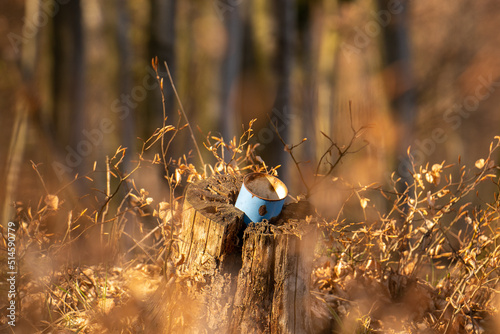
[185, 116]
[108, 192]
[35, 167]
[289, 150]
[341, 151]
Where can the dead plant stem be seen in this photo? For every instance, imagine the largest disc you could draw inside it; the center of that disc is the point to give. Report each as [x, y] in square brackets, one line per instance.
[185, 116]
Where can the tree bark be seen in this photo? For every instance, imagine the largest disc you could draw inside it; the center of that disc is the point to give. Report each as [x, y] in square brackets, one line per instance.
[272, 293]
[254, 295]
[212, 228]
[259, 285]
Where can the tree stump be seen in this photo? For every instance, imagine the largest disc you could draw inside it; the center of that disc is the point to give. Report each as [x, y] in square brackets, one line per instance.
[212, 228]
[254, 295]
[272, 293]
[264, 268]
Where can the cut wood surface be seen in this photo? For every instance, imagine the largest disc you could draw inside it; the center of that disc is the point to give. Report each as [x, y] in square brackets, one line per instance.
[212, 228]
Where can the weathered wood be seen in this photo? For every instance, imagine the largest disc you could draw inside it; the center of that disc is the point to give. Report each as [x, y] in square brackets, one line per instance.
[212, 228]
[272, 293]
[254, 294]
[185, 305]
[273, 260]
[292, 272]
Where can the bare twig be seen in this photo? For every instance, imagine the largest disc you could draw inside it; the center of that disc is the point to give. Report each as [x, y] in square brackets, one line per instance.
[185, 116]
[341, 153]
[35, 167]
[289, 149]
[108, 192]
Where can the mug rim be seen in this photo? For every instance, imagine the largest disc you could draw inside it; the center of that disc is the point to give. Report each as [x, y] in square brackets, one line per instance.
[265, 175]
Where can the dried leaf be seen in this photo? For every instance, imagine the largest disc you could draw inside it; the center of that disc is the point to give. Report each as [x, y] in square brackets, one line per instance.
[364, 202]
[480, 163]
[52, 202]
[430, 199]
[178, 176]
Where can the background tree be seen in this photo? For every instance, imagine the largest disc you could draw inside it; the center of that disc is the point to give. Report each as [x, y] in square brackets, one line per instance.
[233, 61]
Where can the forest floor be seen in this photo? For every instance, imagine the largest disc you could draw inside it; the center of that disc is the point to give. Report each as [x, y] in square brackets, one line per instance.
[426, 261]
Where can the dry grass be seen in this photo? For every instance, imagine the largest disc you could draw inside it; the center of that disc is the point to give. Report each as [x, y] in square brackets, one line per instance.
[428, 264]
[422, 260]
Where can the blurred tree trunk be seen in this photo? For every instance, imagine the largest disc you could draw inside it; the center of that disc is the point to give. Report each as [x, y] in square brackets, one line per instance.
[68, 76]
[398, 74]
[305, 123]
[282, 109]
[26, 104]
[162, 45]
[125, 80]
[231, 66]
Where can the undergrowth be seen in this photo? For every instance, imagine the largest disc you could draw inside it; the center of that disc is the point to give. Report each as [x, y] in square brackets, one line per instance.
[427, 264]
[425, 260]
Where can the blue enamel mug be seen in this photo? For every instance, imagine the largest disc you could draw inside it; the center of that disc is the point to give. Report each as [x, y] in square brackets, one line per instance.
[261, 197]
